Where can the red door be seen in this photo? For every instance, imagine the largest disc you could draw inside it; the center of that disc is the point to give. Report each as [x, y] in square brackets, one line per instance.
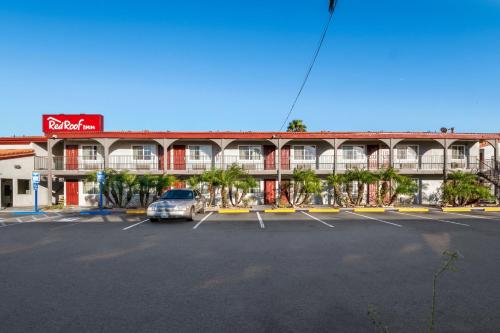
[285, 158]
[72, 157]
[71, 192]
[160, 157]
[179, 184]
[269, 163]
[269, 191]
[372, 152]
[179, 157]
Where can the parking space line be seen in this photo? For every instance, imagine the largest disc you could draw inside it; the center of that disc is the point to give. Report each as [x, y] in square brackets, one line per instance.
[133, 225]
[202, 220]
[315, 218]
[70, 219]
[474, 216]
[262, 226]
[372, 218]
[430, 218]
[19, 220]
[11, 224]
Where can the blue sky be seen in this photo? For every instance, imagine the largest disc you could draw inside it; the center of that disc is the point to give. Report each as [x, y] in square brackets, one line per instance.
[236, 65]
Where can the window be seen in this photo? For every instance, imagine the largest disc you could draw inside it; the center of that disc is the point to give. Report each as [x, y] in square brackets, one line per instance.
[353, 152]
[194, 153]
[407, 152]
[90, 187]
[142, 153]
[250, 153]
[457, 152]
[304, 153]
[89, 153]
[23, 186]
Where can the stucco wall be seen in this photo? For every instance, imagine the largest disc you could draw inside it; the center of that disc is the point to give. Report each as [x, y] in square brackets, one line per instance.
[8, 170]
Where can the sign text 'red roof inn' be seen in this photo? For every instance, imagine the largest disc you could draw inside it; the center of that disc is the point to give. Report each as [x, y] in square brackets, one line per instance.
[54, 123]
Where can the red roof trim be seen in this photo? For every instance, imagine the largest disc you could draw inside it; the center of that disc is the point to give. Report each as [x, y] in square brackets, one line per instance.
[253, 135]
[6, 154]
[284, 135]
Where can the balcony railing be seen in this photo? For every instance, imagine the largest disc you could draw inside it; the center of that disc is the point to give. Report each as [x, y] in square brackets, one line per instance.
[127, 162]
[70, 163]
[321, 163]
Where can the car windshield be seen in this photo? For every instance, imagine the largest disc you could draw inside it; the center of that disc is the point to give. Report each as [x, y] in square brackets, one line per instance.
[177, 194]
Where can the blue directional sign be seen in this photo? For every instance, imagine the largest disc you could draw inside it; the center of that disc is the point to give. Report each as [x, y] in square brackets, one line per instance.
[101, 176]
[35, 177]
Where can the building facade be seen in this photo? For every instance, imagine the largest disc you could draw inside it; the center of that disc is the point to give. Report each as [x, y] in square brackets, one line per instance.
[65, 157]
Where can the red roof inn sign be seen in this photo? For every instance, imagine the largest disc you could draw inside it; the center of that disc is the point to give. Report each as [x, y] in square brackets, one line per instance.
[54, 123]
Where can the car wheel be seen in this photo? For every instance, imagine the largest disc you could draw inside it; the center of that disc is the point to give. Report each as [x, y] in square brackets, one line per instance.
[191, 214]
[153, 220]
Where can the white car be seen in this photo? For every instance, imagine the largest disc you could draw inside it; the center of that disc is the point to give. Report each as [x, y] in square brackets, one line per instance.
[178, 203]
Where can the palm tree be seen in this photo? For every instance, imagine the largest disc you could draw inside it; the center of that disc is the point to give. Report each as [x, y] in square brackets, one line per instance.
[386, 178]
[210, 177]
[296, 126]
[404, 186]
[161, 183]
[336, 181]
[145, 184]
[463, 188]
[244, 185]
[305, 184]
[226, 179]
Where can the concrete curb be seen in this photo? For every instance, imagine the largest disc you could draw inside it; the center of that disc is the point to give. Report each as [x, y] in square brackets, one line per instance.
[233, 211]
[280, 210]
[135, 211]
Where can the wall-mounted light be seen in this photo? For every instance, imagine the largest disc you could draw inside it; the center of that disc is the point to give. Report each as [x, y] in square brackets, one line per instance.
[17, 166]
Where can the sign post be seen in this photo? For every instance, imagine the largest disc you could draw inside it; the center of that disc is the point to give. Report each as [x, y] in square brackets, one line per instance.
[101, 177]
[35, 178]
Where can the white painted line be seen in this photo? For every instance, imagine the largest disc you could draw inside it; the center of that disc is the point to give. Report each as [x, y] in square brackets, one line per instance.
[372, 218]
[202, 220]
[133, 225]
[430, 218]
[19, 220]
[474, 216]
[70, 219]
[262, 226]
[8, 225]
[315, 218]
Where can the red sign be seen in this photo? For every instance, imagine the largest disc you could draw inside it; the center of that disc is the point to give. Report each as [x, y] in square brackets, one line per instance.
[53, 123]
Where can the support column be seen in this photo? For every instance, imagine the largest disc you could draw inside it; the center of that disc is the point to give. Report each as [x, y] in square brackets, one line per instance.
[445, 160]
[391, 153]
[49, 171]
[278, 167]
[497, 154]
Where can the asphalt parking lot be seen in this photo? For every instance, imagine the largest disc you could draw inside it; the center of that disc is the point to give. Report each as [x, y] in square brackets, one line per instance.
[300, 272]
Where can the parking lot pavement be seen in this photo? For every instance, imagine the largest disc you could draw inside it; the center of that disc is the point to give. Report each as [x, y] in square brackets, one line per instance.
[229, 274]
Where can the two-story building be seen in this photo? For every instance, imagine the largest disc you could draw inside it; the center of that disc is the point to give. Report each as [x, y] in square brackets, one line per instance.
[64, 157]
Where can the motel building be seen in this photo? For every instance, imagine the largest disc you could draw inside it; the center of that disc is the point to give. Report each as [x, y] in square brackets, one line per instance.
[73, 146]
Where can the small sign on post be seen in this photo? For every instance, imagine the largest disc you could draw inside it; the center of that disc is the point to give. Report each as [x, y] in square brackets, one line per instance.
[35, 179]
[101, 177]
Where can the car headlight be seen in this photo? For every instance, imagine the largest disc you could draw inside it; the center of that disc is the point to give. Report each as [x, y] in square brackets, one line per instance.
[152, 208]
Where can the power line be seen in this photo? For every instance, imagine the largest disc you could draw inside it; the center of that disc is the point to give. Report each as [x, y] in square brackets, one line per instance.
[331, 9]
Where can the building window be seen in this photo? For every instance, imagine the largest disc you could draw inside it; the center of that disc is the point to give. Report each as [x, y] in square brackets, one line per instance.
[89, 153]
[142, 153]
[457, 152]
[304, 153]
[90, 187]
[250, 153]
[23, 186]
[407, 152]
[194, 153]
[353, 152]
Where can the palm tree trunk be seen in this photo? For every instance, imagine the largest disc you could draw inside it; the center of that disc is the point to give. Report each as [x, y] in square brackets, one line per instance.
[223, 193]
[361, 193]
